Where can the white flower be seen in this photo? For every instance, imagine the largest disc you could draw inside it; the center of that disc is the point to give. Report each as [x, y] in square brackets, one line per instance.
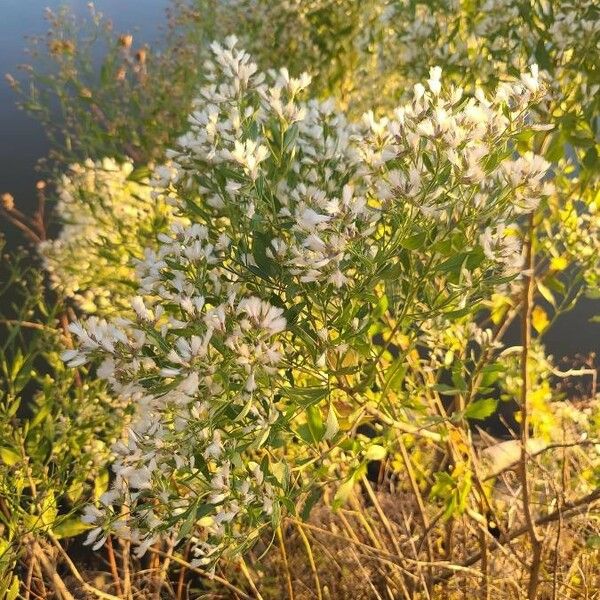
[308, 219]
[137, 303]
[434, 81]
[189, 385]
[263, 314]
[249, 155]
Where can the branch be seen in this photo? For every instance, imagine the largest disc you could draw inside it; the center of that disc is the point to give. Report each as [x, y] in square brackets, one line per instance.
[404, 427]
[528, 289]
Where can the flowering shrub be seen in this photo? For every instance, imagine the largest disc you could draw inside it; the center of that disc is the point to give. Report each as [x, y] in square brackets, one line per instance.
[308, 234]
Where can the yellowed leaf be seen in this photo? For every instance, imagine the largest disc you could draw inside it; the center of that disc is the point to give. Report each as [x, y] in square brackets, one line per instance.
[539, 319]
[559, 263]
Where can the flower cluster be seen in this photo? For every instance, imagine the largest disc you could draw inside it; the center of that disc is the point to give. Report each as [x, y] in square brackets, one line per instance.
[489, 39]
[109, 214]
[260, 303]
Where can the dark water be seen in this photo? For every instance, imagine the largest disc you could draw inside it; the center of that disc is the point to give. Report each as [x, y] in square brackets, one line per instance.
[22, 140]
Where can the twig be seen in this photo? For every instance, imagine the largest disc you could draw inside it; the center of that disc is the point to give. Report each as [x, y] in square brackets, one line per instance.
[248, 577]
[566, 509]
[392, 558]
[419, 499]
[485, 584]
[29, 233]
[113, 566]
[125, 546]
[404, 427]
[164, 568]
[201, 572]
[288, 575]
[181, 578]
[29, 577]
[40, 578]
[26, 324]
[39, 216]
[528, 290]
[365, 574]
[59, 585]
[311, 559]
[77, 574]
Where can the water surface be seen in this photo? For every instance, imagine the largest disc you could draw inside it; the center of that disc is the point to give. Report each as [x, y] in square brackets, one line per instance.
[22, 139]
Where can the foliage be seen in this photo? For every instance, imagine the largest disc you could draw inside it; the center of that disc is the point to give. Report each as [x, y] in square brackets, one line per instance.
[56, 425]
[110, 215]
[311, 275]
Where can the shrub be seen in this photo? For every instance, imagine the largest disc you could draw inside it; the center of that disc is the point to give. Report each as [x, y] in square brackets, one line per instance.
[313, 233]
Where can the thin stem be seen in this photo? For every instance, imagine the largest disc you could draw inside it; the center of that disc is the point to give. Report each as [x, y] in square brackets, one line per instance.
[59, 585]
[485, 584]
[125, 546]
[181, 578]
[248, 577]
[77, 575]
[202, 573]
[528, 290]
[566, 509]
[311, 559]
[288, 575]
[29, 577]
[113, 566]
[404, 427]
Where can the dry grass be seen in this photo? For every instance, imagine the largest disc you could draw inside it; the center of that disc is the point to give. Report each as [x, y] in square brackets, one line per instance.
[374, 548]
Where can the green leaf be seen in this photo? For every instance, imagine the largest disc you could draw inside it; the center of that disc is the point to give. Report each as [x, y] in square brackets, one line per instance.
[314, 419]
[447, 390]
[375, 452]
[343, 493]
[194, 515]
[443, 486]
[306, 396]
[331, 425]
[40, 416]
[590, 160]
[453, 264]
[481, 409]
[9, 456]
[414, 242]
[139, 174]
[70, 527]
[290, 137]
[260, 244]
[101, 483]
[48, 510]
[394, 376]
[311, 500]
[13, 592]
[546, 293]
[593, 542]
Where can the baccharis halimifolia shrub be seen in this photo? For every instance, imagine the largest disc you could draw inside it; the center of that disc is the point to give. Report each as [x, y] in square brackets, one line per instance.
[251, 356]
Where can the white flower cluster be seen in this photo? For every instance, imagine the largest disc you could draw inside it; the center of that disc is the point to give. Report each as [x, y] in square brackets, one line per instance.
[199, 408]
[487, 39]
[346, 178]
[294, 213]
[108, 216]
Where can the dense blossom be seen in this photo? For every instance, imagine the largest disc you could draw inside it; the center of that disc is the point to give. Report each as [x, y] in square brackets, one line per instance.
[109, 214]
